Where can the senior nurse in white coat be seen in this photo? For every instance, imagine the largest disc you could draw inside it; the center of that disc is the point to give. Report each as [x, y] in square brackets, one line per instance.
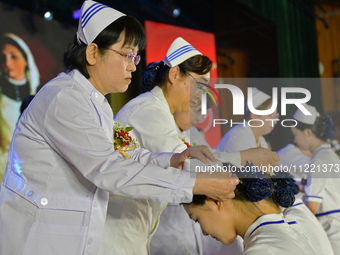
[62, 163]
[243, 136]
[323, 181]
[151, 114]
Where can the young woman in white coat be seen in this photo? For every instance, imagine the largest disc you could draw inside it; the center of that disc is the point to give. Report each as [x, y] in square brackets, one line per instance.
[244, 136]
[309, 226]
[170, 88]
[323, 181]
[255, 215]
[62, 164]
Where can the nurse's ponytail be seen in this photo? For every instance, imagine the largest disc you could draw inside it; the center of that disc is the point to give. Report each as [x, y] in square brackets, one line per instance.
[330, 130]
[156, 73]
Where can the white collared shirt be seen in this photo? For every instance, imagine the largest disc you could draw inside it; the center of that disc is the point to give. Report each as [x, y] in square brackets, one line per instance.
[63, 166]
[273, 234]
[310, 227]
[153, 122]
[155, 129]
[194, 136]
[324, 181]
[291, 156]
[239, 138]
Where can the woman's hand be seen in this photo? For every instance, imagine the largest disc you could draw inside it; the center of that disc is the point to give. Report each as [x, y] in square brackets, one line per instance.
[260, 157]
[201, 152]
[218, 185]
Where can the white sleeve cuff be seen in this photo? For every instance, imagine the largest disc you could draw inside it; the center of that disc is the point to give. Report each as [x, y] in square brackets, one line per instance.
[186, 182]
[314, 199]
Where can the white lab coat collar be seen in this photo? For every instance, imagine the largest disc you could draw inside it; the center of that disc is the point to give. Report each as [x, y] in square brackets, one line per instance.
[269, 219]
[321, 147]
[251, 137]
[158, 93]
[88, 86]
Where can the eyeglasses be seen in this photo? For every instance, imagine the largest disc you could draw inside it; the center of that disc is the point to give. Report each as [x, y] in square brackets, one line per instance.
[130, 56]
[201, 85]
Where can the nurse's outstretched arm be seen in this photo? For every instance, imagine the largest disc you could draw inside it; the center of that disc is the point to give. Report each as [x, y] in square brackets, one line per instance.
[260, 157]
[219, 186]
[201, 152]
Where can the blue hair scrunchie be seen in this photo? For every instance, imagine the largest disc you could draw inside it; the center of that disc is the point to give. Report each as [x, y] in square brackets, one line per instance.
[286, 188]
[285, 196]
[330, 130]
[150, 75]
[257, 188]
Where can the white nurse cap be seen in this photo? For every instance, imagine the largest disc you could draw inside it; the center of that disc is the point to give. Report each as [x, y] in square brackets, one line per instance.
[95, 17]
[179, 51]
[306, 119]
[259, 97]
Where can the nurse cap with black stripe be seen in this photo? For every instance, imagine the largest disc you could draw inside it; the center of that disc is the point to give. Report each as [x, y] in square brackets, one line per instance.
[95, 17]
[179, 51]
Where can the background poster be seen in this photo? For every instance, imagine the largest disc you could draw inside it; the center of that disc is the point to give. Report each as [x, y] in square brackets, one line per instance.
[31, 54]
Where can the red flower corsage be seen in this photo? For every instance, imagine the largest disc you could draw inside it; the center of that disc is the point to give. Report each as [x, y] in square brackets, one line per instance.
[122, 140]
[183, 140]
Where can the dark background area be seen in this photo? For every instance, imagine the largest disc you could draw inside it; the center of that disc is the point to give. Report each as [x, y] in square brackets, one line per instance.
[279, 36]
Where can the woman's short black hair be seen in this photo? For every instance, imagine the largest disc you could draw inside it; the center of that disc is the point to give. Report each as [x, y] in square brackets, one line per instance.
[75, 53]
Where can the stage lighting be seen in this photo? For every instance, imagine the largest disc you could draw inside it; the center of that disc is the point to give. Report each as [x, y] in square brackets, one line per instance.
[48, 15]
[176, 12]
[76, 14]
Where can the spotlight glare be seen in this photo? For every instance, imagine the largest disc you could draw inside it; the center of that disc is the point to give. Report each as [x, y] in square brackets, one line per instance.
[48, 15]
[76, 14]
[176, 12]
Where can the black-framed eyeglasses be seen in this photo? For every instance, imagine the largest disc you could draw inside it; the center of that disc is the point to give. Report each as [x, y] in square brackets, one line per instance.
[201, 85]
[130, 56]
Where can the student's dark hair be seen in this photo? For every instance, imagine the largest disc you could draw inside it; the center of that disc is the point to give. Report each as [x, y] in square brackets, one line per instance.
[264, 106]
[75, 54]
[253, 187]
[156, 73]
[323, 128]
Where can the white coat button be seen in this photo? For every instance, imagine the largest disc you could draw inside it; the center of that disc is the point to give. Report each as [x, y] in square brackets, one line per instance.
[95, 204]
[89, 241]
[30, 193]
[95, 94]
[44, 201]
